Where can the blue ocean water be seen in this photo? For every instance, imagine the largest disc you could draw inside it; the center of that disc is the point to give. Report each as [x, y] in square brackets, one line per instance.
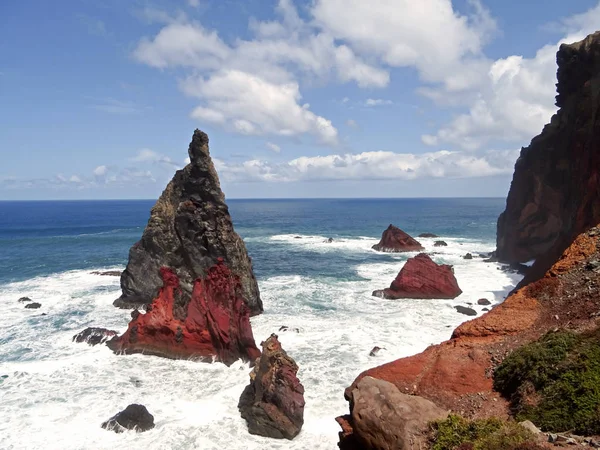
[55, 393]
[40, 238]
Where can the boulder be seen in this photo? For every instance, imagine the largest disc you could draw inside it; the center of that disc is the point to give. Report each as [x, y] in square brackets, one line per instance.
[25, 300]
[483, 301]
[555, 191]
[33, 305]
[273, 403]
[466, 311]
[383, 418]
[94, 336]
[189, 230]
[213, 324]
[421, 277]
[428, 235]
[468, 256]
[440, 244]
[395, 240]
[134, 417]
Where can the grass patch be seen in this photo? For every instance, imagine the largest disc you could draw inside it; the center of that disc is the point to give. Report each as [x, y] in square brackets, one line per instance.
[456, 432]
[555, 382]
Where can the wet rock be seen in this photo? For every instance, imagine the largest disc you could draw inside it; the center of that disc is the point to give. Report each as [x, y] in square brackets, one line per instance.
[273, 403]
[189, 230]
[25, 300]
[215, 323]
[108, 273]
[395, 240]
[440, 244]
[485, 309]
[466, 311]
[428, 235]
[381, 417]
[134, 417]
[329, 241]
[375, 350]
[94, 336]
[421, 277]
[297, 237]
[483, 301]
[468, 256]
[286, 328]
[33, 305]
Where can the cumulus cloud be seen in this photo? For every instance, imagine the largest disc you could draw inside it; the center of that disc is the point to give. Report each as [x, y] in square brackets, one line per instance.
[516, 98]
[145, 155]
[100, 171]
[273, 147]
[371, 166]
[377, 102]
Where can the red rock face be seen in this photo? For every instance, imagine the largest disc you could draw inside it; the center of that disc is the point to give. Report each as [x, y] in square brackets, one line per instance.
[214, 324]
[395, 240]
[422, 278]
[555, 191]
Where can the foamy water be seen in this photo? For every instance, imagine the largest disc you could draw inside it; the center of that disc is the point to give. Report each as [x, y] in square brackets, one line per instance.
[57, 393]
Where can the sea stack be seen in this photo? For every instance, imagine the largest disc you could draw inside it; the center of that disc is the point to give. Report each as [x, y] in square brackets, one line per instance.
[555, 191]
[394, 240]
[189, 230]
[273, 402]
[213, 324]
[421, 277]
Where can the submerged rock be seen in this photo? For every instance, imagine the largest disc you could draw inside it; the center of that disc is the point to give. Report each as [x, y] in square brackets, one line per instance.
[94, 336]
[273, 403]
[108, 273]
[394, 240]
[189, 229]
[214, 323]
[483, 301]
[134, 417]
[25, 300]
[428, 235]
[381, 417]
[465, 310]
[440, 244]
[468, 256]
[33, 305]
[421, 277]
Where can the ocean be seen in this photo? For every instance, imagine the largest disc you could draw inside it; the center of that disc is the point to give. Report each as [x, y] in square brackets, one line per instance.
[54, 393]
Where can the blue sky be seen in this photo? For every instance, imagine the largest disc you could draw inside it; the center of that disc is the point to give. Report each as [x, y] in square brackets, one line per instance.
[319, 98]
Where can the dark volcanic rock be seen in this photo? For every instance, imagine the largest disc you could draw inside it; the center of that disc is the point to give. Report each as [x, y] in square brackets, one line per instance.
[273, 402]
[189, 229]
[394, 239]
[427, 235]
[440, 244]
[134, 417]
[215, 323]
[421, 277]
[94, 336]
[555, 191]
[466, 311]
[25, 300]
[483, 301]
[33, 305]
[468, 256]
[108, 273]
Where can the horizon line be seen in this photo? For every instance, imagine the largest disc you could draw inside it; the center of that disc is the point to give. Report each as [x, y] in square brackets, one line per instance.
[247, 198]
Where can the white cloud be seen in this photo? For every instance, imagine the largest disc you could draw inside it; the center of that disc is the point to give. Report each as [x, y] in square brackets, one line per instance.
[517, 98]
[194, 3]
[114, 106]
[377, 102]
[75, 179]
[371, 166]
[100, 171]
[351, 123]
[146, 155]
[248, 104]
[273, 147]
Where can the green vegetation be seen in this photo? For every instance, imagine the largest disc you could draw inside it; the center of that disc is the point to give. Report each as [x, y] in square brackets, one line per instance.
[555, 382]
[483, 434]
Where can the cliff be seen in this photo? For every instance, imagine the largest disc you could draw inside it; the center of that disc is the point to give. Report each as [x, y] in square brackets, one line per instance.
[189, 230]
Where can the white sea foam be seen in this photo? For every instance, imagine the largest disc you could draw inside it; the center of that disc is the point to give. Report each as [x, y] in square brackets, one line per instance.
[57, 392]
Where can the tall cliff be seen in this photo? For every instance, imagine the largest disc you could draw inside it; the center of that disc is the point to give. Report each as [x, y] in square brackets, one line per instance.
[189, 230]
[555, 191]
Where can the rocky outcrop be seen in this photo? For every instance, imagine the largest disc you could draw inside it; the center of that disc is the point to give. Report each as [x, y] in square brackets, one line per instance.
[457, 374]
[465, 310]
[273, 402]
[395, 240]
[421, 277]
[94, 336]
[383, 418]
[189, 229]
[33, 305]
[440, 244]
[213, 324]
[555, 191]
[428, 235]
[134, 417]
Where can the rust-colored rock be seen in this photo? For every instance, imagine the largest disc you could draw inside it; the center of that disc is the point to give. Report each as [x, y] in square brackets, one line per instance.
[273, 402]
[555, 191]
[213, 324]
[457, 374]
[421, 277]
[394, 240]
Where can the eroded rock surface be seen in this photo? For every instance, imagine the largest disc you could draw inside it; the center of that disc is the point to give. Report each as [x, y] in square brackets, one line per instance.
[94, 336]
[273, 402]
[421, 277]
[395, 240]
[189, 229]
[134, 417]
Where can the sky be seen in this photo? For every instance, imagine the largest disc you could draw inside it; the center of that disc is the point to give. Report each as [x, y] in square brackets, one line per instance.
[300, 98]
